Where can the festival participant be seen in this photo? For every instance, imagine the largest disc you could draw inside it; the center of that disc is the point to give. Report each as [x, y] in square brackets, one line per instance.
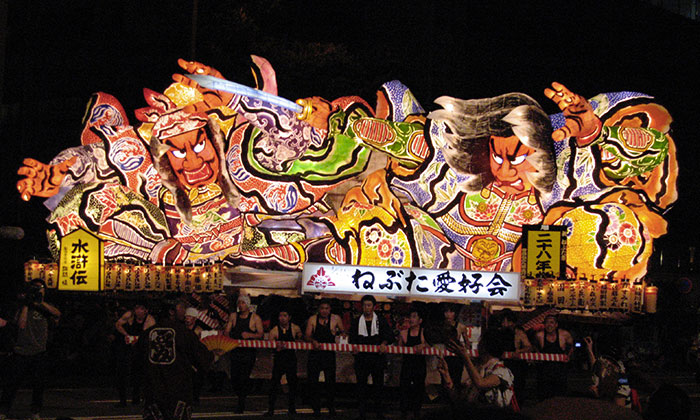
[284, 361]
[131, 326]
[516, 341]
[608, 377]
[169, 350]
[28, 361]
[191, 315]
[552, 377]
[452, 329]
[7, 329]
[243, 325]
[180, 312]
[322, 328]
[491, 381]
[370, 328]
[413, 370]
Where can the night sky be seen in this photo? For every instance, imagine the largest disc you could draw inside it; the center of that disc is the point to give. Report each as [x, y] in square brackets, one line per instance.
[58, 53]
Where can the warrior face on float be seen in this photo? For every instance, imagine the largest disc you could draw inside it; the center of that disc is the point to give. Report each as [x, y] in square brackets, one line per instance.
[190, 151]
[509, 165]
[193, 158]
[503, 142]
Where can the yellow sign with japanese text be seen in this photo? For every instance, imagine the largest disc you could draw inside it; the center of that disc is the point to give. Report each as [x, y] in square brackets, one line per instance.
[81, 265]
[545, 252]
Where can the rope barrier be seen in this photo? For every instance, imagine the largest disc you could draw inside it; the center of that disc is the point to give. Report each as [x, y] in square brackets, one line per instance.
[390, 349]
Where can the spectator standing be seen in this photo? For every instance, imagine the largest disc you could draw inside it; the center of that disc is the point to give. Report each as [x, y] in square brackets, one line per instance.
[370, 328]
[491, 381]
[28, 360]
[130, 327]
[608, 377]
[284, 361]
[413, 370]
[243, 325]
[322, 328]
[169, 351]
[191, 315]
[516, 341]
[552, 377]
[8, 333]
[452, 329]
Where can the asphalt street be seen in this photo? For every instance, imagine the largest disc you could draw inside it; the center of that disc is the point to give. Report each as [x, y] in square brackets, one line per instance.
[100, 402]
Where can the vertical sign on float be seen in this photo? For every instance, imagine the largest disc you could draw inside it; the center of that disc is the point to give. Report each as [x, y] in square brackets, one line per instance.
[544, 251]
[81, 262]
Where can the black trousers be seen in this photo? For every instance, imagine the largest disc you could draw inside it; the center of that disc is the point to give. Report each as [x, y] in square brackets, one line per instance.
[242, 362]
[412, 383]
[19, 369]
[321, 361]
[519, 370]
[455, 366]
[128, 371]
[167, 409]
[284, 364]
[551, 379]
[367, 364]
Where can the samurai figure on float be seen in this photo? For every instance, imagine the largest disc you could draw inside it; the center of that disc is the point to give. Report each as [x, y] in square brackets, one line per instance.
[474, 172]
[194, 182]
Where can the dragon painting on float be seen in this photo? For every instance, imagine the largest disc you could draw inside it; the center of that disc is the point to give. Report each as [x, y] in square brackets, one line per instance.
[209, 175]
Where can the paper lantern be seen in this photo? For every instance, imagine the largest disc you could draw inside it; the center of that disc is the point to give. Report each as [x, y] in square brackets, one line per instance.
[159, 278]
[548, 288]
[51, 275]
[119, 277]
[139, 278]
[529, 293]
[184, 280]
[571, 294]
[560, 294]
[110, 275]
[637, 298]
[207, 281]
[539, 292]
[197, 281]
[218, 274]
[613, 296]
[170, 284]
[625, 295]
[128, 275]
[592, 296]
[33, 270]
[581, 287]
[650, 295]
[603, 297]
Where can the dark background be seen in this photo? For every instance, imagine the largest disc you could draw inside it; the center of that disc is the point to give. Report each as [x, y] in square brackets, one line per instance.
[58, 53]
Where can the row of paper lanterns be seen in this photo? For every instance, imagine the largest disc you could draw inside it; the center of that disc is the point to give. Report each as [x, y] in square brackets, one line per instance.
[591, 295]
[137, 278]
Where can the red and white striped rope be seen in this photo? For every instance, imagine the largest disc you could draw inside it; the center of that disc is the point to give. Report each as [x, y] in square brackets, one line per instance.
[372, 348]
[203, 316]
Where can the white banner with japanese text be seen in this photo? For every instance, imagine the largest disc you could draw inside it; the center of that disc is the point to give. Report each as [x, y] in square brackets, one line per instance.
[411, 282]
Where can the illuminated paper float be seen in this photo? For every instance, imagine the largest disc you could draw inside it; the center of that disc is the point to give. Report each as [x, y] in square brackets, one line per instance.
[443, 200]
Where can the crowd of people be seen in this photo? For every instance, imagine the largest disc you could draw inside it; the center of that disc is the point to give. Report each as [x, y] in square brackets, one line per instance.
[161, 358]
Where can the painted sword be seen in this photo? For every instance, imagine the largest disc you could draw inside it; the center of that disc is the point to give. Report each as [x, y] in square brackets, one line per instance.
[211, 82]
